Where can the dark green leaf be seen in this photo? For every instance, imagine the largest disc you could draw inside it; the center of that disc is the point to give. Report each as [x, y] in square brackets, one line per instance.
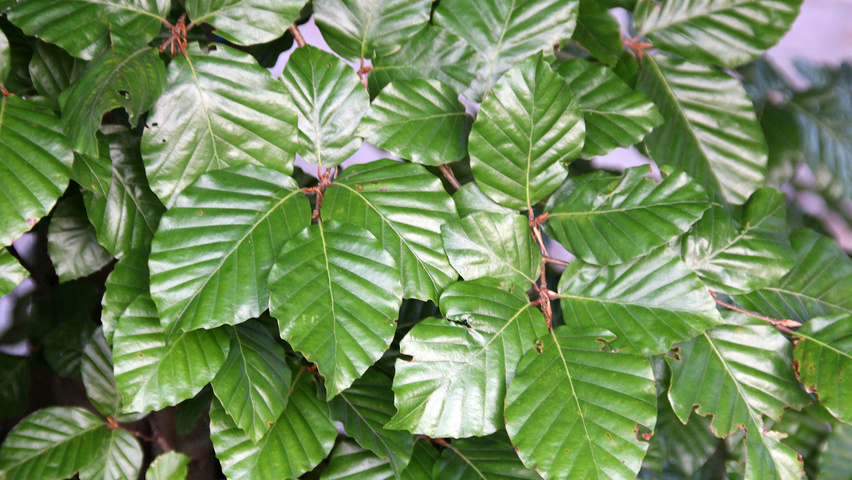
[526, 129]
[455, 383]
[63, 345]
[488, 458]
[168, 466]
[97, 372]
[246, 23]
[649, 302]
[742, 255]
[835, 461]
[331, 101]
[711, 130]
[608, 220]
[128, 76]
[119, 458]
[94, 174]
[12, 273]
[404, 206]
[72, 241]
[52, 443]
[14, 382]
[254, 382]
[598, 31]
[615, 115]
[422, 461]
[419, 120]
[469, 199]
[368, 28]
[351, 462]
[154, 369]
[128, 280]
[301, 438]
[190, 411]
[504, 32]
[823, 362]
[574, 409]
[35, 163]
[336, 294]
[686, 447]
[215, 247]
[232, 109]
[497, 245]
[53, 70]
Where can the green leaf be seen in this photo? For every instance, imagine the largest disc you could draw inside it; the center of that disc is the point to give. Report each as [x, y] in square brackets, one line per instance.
[72, 242]
[364, 409]
[574, 409]
[419, 120]
[52, 70]
[608, 220]
[119, 458]
[232, 109]
[835, 458]
[455, 382]
[336, 294]
[823, 362]
[5, 58]
[525, 130]
[154, 369]
[12, 273]
[725, 32]
[82, 27]
[190, 411]
[127, 75]
[246, 23]
[820, 282]
[469, 199]
[433, 53]
[254, 382]
[35, 163]
[599, 32]
[215, 247]
[51, 443]
[331, 101]
[711, 130]
[14, 383]
[615, 115]
[496, 245]
[687, 447]
[504, 33]
[739, 372]
[349, 461]
[742, 255]
[649, 303]
[128, 280]
[126, 216]
[63, 345]
[404, 206]
[422, 461]
[168, 466]
[96, 370]
[301, 438]
[94, 174]
[488, 458]
[368, 28]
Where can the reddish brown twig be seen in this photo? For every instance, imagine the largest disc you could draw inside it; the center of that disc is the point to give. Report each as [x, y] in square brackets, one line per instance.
[449, 175]
[554, 261]
[325, 179]
[297, 35]
[635, 47]
[362, 72]
[178, 36]
[543, 291]
[783, 324]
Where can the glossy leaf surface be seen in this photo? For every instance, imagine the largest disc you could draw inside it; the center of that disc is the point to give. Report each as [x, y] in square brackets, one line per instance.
[12, 273]
[119, 458]
[128, 280]
[823, 362]
[246, 23]
[487, 458]
[348, 461]
[72, 242]
[599, 32]
[168, 466]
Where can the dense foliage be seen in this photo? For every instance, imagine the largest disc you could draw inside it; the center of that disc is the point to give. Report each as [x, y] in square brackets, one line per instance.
[403, 318]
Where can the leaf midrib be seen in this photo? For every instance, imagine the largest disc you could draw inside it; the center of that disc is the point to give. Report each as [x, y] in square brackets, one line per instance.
[627, 209]
[745, 231]
[704, 13]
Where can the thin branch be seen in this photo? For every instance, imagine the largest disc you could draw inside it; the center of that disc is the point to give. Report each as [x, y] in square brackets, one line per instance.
[362, 72]
[177, 36]
[782, 324]
[449, 175]
[554, 261]
[297, 35]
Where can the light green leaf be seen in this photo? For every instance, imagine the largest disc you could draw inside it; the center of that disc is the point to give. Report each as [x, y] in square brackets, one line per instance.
[505, 32]
[336, 294]
[52, 70]
[12, 273]
[232, 109]
[574, 409]
[711, 130]
[82, 27]
[455, 383]
[739, 372]
[496, 245]
[331, 101]
[301, 438]
[97, 372]
[128, 75]
[364, 409]
[51, 443]
[246, 23]
[213, 251]
[820, 282]
[469, 199]
[836, 456]
[5, 58]
[433, 53]
[599, 32]
[488, 458]
[369, 28]
[525, 130]
[35, 163]
[649, 303]
[254, 382]
[422, 461]
[823, 362]
[742, 255]
[126, 216]
[119, 458]
[72, 243]
[14, 384]
[404, 206]
[168, 466]
[128, 280]
[608, 220]
[350, 461]
[725, 32]
[615, 115]
[154, 369]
